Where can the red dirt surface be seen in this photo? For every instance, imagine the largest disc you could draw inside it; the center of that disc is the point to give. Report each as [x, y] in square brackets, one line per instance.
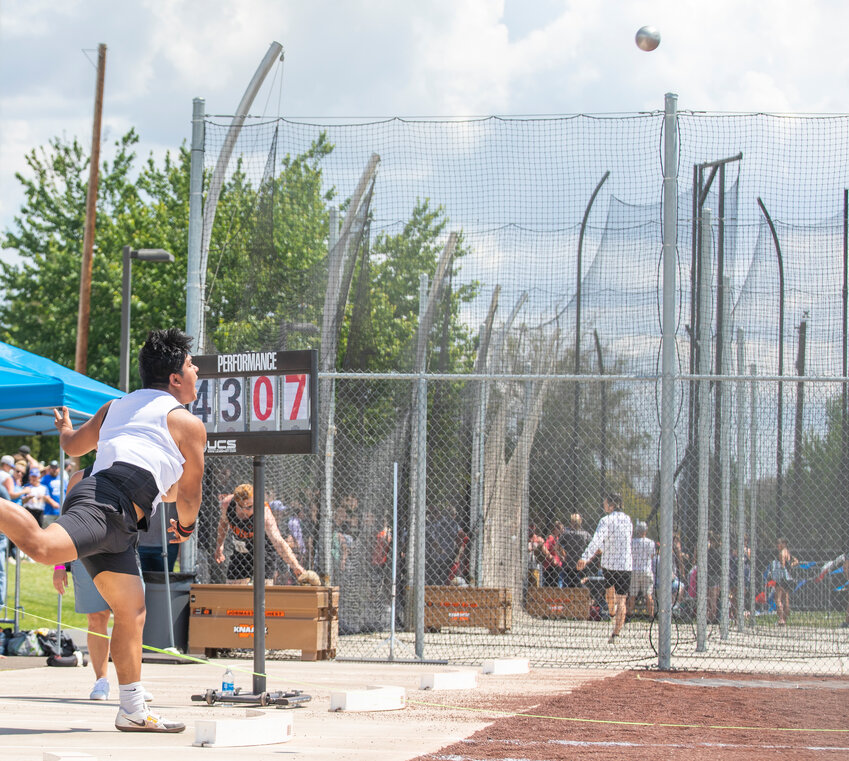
[728, 717]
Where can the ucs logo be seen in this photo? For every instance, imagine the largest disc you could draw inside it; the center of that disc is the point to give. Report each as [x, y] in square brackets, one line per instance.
[220, 446]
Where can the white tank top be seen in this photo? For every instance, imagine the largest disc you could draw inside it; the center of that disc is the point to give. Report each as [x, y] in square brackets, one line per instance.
[135, 430]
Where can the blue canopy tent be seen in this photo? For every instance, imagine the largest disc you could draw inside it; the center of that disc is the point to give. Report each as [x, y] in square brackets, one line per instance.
[30, 388]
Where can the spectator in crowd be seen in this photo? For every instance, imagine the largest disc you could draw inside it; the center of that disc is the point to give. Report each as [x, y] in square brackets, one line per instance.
[237, 517]
[34, 498]
[550, 562]
[643, 555]
[780, 573]
[680, 563]
[443, 538]
[613, 539]
[571, 545]
[150, 543]
[8, 480]
[714, 577]
[4, 546]
[24, 458]
[55, 492]
[841, 561]
[296, 530]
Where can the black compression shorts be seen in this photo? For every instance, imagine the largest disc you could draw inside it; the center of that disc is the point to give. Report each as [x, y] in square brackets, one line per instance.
[100, 518]
[619, 580]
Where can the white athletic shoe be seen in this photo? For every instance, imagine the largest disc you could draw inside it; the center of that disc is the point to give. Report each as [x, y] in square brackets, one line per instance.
[100, 691]
[145, 721]
[148, 698]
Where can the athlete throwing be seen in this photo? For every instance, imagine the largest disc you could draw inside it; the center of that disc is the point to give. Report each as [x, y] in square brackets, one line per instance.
[149, 449]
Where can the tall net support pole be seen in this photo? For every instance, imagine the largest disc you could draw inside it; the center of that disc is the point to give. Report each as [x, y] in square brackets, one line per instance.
[667, 413]
[753, 490]
[194, 278]
[703, 431]
[418, 484]
[326, 514]
[259, 575]
[725, 468]
[216, 182]
[741, 481]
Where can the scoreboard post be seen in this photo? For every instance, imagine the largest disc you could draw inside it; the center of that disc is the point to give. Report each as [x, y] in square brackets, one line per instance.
[258, 403]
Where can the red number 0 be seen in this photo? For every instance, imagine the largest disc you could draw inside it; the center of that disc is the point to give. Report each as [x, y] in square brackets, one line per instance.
[301, 380]
[265, 383]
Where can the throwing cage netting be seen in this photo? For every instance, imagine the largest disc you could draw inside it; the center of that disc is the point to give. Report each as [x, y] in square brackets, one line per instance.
[519, 380]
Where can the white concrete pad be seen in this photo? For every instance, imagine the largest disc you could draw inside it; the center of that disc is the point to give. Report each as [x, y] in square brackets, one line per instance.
[506, 666]
[257, 728]
[66, 755]
[375, 698]
[449, 680]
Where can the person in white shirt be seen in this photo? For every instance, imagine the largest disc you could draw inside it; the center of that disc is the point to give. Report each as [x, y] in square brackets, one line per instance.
[613, 539]
[643, 556]
[150, 450]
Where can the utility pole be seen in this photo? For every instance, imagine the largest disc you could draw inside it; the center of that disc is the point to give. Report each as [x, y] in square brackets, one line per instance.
[83, 312]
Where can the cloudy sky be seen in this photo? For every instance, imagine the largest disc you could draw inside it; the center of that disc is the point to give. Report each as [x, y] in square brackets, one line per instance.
[390, 58]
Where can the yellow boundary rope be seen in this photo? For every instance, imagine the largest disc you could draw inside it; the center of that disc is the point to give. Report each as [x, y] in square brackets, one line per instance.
[490, 711]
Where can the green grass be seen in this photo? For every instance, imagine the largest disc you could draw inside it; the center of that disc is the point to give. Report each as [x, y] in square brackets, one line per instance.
[39, 599]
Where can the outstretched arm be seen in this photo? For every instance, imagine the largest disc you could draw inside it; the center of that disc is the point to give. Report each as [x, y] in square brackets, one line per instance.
[280, 544]
[84, 439]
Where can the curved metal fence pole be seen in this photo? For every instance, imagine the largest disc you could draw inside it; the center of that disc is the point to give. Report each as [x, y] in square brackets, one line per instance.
[667, 412]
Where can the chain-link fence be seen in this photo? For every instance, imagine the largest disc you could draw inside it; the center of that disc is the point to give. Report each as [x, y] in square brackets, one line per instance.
[519, 380]
[502, 540]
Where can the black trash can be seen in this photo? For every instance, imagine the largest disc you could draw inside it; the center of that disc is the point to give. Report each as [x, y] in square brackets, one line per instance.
[156, 625]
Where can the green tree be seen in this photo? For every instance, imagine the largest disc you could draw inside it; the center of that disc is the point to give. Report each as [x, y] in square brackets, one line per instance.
[268, 257]
[143, 207]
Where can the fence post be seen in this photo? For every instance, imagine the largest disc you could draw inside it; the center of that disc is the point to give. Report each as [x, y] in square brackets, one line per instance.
[418, 484]
[725, 467]
[753, 490]
[741, 481]
[326, 515]
[703, 431]
[667, 412]
[194, 276]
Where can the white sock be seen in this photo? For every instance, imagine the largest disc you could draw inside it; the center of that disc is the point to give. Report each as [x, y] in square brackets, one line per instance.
[131, 697]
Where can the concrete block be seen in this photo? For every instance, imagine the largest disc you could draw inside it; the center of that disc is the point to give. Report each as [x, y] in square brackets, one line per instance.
[505, 666]
[257, 728]
[66, 755]
[375, 698]
[449, 680]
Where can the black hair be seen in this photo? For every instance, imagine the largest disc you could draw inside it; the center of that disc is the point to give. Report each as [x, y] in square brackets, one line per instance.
[615, 499]
[164, 352]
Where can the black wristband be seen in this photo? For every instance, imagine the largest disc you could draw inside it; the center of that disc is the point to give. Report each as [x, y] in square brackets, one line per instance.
[185, 530]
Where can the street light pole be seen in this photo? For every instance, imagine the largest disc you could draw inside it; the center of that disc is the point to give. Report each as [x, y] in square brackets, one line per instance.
[144, 255]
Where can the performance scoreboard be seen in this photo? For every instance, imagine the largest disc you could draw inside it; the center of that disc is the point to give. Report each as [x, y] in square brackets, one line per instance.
[255, 403]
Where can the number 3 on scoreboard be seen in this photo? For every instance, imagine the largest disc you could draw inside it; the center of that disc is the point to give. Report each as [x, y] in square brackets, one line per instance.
[296, 401]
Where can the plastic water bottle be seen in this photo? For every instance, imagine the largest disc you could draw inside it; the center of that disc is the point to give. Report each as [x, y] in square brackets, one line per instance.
[227, 687]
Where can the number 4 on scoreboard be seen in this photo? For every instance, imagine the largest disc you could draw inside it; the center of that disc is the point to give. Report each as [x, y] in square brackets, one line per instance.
[296, 403]
[202, 407]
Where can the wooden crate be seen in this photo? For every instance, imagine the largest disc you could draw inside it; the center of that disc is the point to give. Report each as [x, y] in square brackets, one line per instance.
[296, 618]
[490, 608]
[552, 602]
